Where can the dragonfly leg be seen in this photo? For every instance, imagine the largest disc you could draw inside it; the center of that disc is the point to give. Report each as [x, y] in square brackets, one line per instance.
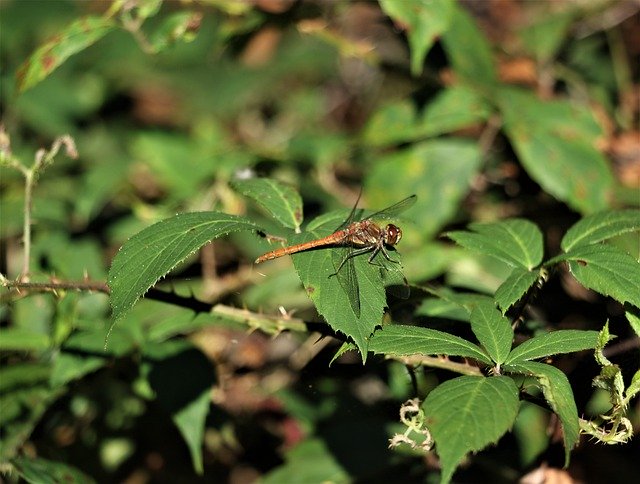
[375, 251]
[386, 255]
[355, 253]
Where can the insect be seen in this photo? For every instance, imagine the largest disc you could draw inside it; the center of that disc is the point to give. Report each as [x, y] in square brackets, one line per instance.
[354, 238]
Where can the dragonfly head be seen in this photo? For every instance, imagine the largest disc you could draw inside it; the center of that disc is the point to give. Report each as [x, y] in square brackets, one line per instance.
[392, 234]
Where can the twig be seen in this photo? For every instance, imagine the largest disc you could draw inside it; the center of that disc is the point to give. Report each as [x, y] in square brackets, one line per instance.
[438, 362]
[43, 159]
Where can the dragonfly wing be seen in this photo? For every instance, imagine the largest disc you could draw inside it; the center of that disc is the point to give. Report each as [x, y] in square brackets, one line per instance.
[347, 277]
[395, 209]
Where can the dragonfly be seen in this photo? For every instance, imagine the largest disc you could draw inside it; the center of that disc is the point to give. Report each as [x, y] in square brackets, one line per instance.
[355, 238]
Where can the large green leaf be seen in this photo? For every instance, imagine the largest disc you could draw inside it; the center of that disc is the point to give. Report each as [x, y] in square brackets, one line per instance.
[468, 50]
[517, 242]
[424, 20]
[467, 414]
[281, 201]
[309, 461]
[557, 391]
[601, 226]
[605, 269]
[153, 252]
[76, 37]
[411, 340]
[554, 141]
[554, 343]
[493, 330]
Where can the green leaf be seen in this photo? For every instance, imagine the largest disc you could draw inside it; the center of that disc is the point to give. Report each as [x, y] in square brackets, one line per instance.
[601, 226]
[467, 414]
[493, 330]
[71, 366]
[514, 287]
[440, 170]
[280, 200]
[309, 461]
[547, 34]
[20, 339]
[411, 340]
[153, 252]
[182, 378]
[23, 374]
[517, 242]
[390, 124]
[42, 471]
[554, 343]
[606, 270]
[25, 396]
[555, 141]
[76, 37]
[456, 107]
[468, 50]
[424, 20]
[633, 316]
[558, 393]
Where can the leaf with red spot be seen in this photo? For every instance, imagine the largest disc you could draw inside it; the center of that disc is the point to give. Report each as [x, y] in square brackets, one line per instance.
[79, 35]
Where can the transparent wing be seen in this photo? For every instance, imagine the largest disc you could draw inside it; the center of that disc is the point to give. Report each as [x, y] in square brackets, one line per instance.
[346, 273]
[395, 209]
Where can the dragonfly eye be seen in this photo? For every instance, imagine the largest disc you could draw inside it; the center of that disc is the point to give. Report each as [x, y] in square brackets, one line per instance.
[393, 234]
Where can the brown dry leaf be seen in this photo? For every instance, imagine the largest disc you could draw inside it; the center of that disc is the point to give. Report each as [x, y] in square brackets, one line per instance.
[262, 47]
[547, 475]
[625, 151]
[519, 71]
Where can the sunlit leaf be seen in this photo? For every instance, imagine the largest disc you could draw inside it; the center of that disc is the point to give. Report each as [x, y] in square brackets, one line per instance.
[281, 201]
[152, 253]
[601, 226]
[554, 343]
[555, 141]
[76, 37]
[424, 20]
[309, 461]
[493, 330]
[605, 269]
[412, 340]
[517, 242]
[467, 414]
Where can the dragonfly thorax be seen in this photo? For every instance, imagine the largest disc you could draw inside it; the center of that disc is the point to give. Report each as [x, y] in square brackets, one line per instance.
[392, 234]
